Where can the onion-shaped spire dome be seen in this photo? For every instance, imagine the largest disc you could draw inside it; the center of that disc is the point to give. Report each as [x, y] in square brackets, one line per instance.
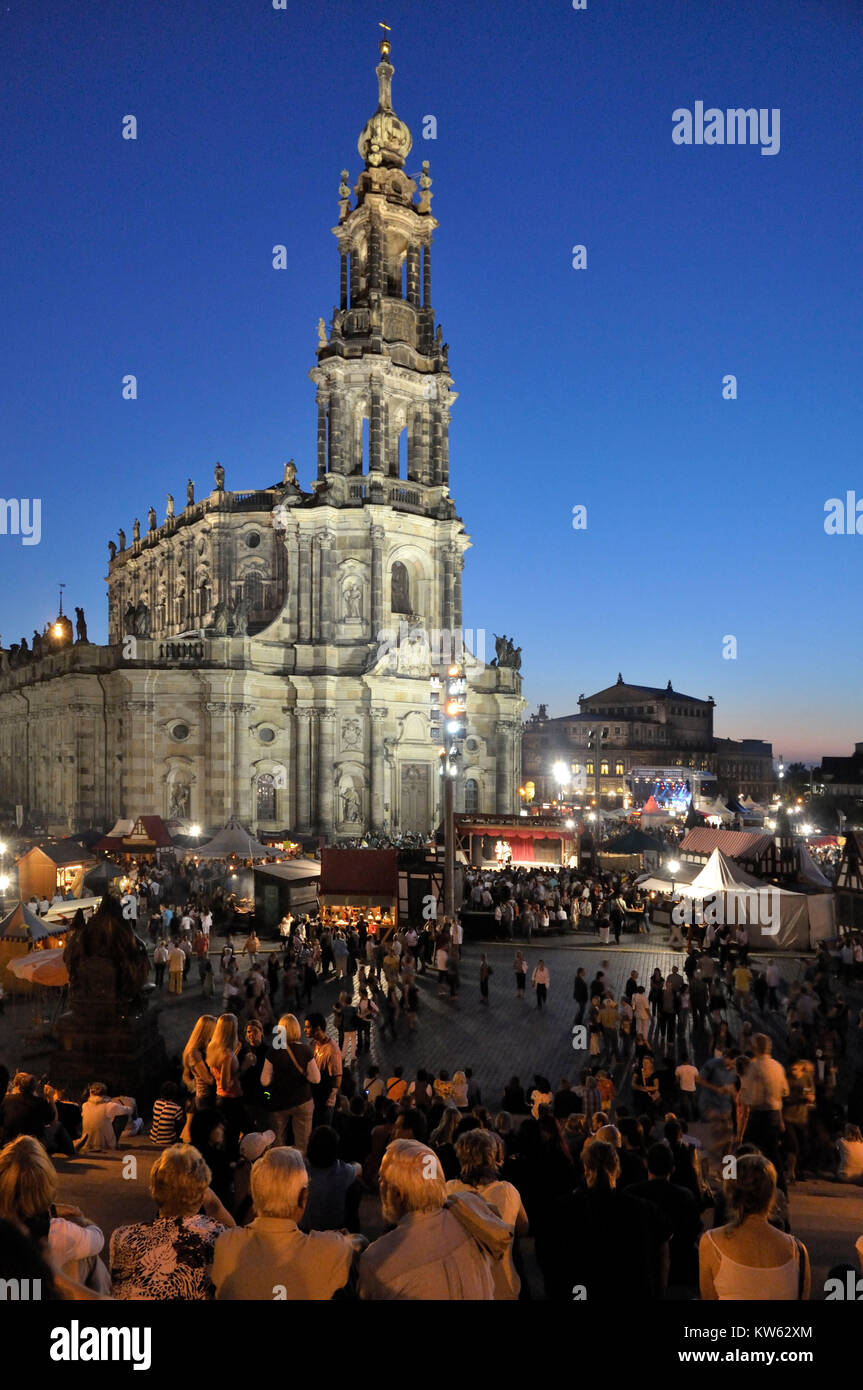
[385, 141]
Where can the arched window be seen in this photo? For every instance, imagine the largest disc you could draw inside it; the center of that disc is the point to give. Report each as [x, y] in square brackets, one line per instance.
[403, 453]
[267, 797]
[471, 795]
[400, 589]
[253, 591]
[603, 770]
[204, 599]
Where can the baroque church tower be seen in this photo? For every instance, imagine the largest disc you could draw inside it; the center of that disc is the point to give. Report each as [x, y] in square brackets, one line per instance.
[273, 652]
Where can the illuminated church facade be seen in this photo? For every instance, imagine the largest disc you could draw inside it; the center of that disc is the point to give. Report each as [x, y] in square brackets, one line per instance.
[272, 653]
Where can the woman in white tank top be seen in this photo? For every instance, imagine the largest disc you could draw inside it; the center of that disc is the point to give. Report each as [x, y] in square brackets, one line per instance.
[749, 1259]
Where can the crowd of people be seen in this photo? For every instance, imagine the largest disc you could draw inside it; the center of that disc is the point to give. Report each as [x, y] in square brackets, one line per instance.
[290, 1165]
[274, 1179]
[527, 902]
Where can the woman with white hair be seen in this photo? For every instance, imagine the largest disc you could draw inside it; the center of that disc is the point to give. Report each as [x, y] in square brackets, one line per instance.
[272, 1258]
[440, 1249]
[170, 1258]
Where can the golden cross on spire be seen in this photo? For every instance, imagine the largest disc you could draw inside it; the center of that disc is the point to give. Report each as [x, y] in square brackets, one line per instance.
[385, 43]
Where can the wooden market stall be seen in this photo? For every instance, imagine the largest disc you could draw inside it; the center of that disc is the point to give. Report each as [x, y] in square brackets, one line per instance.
[282, 888]
[359, 883]
[53, 867]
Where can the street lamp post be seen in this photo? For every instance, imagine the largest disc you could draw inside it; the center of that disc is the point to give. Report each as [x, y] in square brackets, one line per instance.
[560, 773]
[675, 938]
[455, 711]
[673, 868]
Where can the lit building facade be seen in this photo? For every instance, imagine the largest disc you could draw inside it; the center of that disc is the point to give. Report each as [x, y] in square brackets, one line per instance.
[271, 651]
[627, 728]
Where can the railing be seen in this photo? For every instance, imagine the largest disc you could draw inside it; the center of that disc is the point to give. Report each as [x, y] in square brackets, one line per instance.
[405, 495]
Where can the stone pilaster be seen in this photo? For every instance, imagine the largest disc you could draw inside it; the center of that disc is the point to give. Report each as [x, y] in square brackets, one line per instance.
[326, 587]
[337, 442]
[375, 266]
[506, 769]
[305, 587]
[304, 719]
[376, 439]
[315, 622]
[326, 746]
[427, 276]
[436, 445]
[377, 796]
[458, 567]
[413, 276]
[291, 764]
[322, 402]
[292, 557]
[378, 536]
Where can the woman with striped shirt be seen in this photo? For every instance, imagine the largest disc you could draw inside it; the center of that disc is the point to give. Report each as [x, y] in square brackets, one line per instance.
[168, 1117]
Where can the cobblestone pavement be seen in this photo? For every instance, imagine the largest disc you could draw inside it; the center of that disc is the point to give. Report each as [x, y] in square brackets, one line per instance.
[508, 1036]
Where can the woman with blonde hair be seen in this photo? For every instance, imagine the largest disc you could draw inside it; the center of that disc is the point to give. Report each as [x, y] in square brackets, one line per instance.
[224, 1068]
[459, 1090]
[196, 1073]
[171, 1257]
[750, 1259]
[288, 1075]
[28, 1197]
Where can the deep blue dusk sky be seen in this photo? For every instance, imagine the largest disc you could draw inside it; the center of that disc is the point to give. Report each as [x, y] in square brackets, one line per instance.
[600, 387]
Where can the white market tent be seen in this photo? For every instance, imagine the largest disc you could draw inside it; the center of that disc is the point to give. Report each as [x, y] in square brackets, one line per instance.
[778, 919]
[234, 839]
[660, 881]
[809, 870]
[717, 811]
[721, 875]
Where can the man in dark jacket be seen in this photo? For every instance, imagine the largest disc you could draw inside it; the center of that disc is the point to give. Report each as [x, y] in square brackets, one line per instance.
[579, 994]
